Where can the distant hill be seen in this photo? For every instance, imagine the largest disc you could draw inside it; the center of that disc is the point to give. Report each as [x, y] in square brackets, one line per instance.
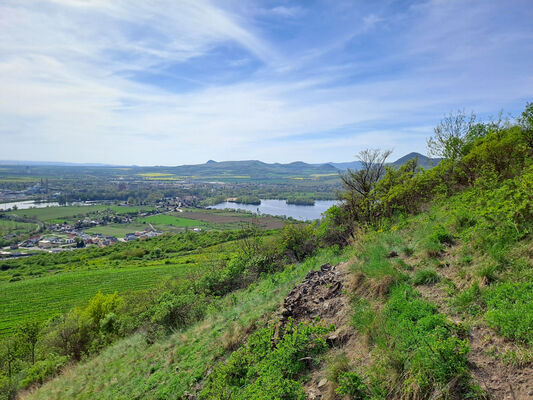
[251, 168]
[423, 161]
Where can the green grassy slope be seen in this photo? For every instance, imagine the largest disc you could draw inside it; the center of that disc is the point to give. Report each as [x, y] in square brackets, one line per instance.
[165, 370]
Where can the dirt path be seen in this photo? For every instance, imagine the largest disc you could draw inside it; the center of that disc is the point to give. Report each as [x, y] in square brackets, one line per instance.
[322, 295]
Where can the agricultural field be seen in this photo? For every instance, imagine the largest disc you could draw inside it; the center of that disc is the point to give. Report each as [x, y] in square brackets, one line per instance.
[42, 298]
[173, 220]
[68, 213]
[40, 292]
[232, 220]
[49, 214]
[17, 228]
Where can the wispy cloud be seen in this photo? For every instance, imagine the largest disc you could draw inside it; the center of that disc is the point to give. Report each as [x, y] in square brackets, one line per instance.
[168, 82]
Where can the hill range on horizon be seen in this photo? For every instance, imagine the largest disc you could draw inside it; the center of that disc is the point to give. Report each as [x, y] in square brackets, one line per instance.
[423, 161]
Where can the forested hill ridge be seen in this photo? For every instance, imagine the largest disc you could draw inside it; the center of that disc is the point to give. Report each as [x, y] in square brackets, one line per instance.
[418, 285]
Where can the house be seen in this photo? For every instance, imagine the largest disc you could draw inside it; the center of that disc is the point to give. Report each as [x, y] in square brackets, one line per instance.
[45, 244]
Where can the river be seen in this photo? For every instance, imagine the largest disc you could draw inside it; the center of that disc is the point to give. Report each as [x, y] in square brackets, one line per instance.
[26, 204]
[281, 208]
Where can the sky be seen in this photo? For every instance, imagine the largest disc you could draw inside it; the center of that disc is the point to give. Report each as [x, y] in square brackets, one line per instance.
[184, 81]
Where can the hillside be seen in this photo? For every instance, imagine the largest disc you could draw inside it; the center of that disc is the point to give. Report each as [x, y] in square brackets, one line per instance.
[418, 286]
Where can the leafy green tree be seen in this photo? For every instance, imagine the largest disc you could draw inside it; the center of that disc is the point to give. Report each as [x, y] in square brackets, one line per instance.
[526, 123]
[29, 334]
[450, 135]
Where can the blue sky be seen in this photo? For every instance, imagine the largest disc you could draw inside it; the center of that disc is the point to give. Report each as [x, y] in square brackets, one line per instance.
[183, 81]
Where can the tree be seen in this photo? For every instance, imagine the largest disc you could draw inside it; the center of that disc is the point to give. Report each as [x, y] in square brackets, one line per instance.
[363, 180]
[526, 123]
[358, 184]
[29, 334]
[451, 135]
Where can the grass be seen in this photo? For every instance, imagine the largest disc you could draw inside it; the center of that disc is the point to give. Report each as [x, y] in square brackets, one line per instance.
[510, 310]
[163, 219]
[166, 369]
[54, 213]
[62, 213]
[42, 298]
[426, 277]
[7, 227]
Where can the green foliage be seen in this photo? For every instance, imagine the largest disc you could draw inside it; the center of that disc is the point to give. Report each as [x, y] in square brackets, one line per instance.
[470, 300]
[266, 368]
[177, 310]
[335, 228]
[42, 370]
[426, 277]
[421, 344]
[301, 201]
[298, 241]
[510, 310]
[350, 384]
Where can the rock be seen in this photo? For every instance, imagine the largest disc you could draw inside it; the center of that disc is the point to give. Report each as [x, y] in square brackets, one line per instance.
[322, 382]
[392, 254]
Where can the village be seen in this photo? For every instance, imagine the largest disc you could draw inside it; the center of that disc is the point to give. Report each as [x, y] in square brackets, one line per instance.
[66, 237]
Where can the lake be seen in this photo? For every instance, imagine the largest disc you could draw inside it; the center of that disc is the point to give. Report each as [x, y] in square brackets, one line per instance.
[281, 208]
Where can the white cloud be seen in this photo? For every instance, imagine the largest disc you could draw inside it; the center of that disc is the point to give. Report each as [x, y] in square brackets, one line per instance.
[67, 95]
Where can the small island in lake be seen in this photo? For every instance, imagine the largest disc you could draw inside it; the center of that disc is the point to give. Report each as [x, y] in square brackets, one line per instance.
[300, 201]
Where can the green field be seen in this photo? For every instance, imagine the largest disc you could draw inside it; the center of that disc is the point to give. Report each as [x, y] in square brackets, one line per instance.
[43, 286]
[59, 214]
[117, 230]
[7, 226]
[53, 213]
[45, 297]
[163, 219]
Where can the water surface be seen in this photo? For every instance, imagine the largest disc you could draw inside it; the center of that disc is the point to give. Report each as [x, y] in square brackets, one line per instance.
[281, 208]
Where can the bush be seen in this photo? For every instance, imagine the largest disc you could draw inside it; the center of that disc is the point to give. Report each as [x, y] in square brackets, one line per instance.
[350, 384]
[43, 370]
[177, 310]
[298, 240]
[335, 227]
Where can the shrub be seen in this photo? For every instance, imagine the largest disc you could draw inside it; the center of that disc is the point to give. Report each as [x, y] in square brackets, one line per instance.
[298, 240]
[350, 384]
[335, 228]
[43, 370]
[177, 310]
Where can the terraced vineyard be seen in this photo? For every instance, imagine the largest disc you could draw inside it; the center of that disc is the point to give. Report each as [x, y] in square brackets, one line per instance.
[42, 298]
